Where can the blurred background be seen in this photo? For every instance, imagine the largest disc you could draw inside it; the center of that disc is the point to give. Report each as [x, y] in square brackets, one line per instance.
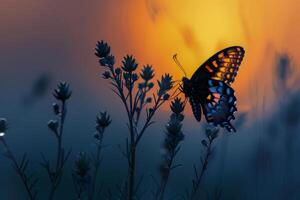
[43, 42]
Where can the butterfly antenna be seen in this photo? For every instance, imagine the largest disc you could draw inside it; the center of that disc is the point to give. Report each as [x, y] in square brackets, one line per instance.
[179, 65]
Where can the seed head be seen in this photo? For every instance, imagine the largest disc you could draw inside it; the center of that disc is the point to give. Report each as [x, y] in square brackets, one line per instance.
[62, 92]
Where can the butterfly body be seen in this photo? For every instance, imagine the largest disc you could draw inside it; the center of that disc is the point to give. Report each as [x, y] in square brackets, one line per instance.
[209, 90]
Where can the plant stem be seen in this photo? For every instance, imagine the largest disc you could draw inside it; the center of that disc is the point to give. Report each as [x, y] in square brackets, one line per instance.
[19, 171]
[131, 173]
[164, 180]
[132, 149]
[96, 169]
[197, 181]
[59, 160]
[133, 115]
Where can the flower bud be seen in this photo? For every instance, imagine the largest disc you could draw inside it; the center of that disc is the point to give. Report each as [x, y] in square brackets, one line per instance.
[62, 92]
[129, 64]
[177, 106]
[147, 73]
[102, 49]
[103, 120]
[106, 75]
[53, 125]
[56, 108]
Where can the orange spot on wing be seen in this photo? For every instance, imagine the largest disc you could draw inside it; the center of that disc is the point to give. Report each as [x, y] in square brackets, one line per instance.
[221, 55]
[215, 64]
[208, 68]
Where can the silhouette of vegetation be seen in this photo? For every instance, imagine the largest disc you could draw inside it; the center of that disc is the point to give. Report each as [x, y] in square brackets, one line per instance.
[171, 146]
[20, 167]
[62, 93]
[136, 93]
[211, 134]
[142, 97]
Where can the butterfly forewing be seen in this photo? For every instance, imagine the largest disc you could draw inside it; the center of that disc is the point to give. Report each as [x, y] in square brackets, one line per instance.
[222, 66]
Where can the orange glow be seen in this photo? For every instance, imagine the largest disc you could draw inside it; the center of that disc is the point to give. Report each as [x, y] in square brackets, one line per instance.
[154, 30]
[197, 29]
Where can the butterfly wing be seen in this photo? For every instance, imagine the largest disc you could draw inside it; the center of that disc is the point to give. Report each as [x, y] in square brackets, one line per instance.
[196, 108]
[219, 105]
[222, 66]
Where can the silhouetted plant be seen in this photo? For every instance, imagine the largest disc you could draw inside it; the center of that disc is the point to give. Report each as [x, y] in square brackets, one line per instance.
[171, 146]
[283, 72]
[211, 134]
[21, 167]
[103, 120]
[135, 98]
[87, 169]
[62, 93]
[81, 175]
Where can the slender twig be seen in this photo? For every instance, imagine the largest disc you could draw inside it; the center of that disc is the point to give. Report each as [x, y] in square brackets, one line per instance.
[20, 169]
[171, 146]
[59, 165]
[211, 136]
[97, 161]
[62, 94]
[164, 180]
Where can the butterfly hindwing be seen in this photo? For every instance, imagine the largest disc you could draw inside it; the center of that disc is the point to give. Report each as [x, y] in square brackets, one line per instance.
[219, 105]
[222, 66]
[196, 108]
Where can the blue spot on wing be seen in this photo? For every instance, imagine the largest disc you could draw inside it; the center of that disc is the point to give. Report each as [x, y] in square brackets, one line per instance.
[219, 110]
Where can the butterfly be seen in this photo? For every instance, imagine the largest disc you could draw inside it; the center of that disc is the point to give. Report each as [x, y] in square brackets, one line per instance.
[209, 88]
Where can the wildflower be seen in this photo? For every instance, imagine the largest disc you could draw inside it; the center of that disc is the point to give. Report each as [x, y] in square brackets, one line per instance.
[55, 107]
[165, 84]
[171, 146]
[62, 92]
[3, 126]
[129, 64]
[53, 125]
[103, 120]
[177, 106]
[147, 73]
[102, 49]
[106, 75]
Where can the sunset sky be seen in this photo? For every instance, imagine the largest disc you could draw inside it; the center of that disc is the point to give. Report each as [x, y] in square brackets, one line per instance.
[58, 37]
